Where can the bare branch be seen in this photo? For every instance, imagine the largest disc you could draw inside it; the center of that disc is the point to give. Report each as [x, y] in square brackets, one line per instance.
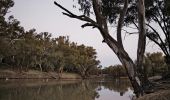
[63, 8]
[160, 25]
[99, 24]
[163, 46]
[162, 17]
[132, 27]
[89, 24]
[130, 32]
[135, 24]
[81, 17]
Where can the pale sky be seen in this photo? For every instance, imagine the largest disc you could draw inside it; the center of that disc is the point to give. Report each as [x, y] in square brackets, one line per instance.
[44, 16]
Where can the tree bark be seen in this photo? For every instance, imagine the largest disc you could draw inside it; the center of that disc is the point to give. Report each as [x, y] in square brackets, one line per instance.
[141, 45]
[129, 66]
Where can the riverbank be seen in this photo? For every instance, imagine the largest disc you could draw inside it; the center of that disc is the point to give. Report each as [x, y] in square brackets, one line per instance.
[34, 74]
[161, 91]
[159, 95]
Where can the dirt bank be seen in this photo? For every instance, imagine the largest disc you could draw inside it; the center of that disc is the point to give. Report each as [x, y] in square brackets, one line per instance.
[34, 74]
[159, 95]
[161, 91]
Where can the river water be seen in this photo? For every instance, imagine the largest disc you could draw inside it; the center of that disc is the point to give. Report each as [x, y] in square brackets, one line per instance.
[117, 89]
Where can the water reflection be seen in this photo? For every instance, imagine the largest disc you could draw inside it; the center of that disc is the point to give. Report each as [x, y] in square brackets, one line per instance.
[118, 89]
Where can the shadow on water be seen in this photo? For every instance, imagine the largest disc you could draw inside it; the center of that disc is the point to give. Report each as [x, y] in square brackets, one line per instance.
[118, 89]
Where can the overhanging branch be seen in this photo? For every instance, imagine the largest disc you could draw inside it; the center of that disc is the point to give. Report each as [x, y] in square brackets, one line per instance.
[81, 17]
[163, 46]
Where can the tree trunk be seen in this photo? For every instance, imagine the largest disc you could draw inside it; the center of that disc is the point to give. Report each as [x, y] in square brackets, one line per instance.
[118, 48]
[60, 71]
[1, 59]
[40, 65]
[141, 44]
[167, 60]
[129, 66]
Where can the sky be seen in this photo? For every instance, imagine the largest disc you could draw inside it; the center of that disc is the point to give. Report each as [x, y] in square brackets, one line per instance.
[44, 16]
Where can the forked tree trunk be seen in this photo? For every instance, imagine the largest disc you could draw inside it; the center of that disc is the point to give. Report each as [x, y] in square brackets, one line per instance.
[129, 66]
[118, 48]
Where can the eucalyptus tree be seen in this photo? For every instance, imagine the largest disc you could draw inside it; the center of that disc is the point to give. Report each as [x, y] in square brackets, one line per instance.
[158, 12]
[115, 71]
[101, 23]
[85, 60]
[43, 46]
[158, 23]
[63, 53]
[5, 30]
[12, 32]
[155, 64]
[4, 7]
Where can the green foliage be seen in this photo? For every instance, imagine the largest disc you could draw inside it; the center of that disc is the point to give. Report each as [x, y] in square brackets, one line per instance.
[154, 64]
[115, 71]
[26, 50]
[85, 60]
[5, 5]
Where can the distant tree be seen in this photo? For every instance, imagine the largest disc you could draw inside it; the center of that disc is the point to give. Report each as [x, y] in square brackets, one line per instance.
[86, 60]
[116, 71]
[154, 63]
[159, 14]
[10, 31]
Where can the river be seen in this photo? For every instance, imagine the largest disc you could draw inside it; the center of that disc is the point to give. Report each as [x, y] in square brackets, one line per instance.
[117, 89]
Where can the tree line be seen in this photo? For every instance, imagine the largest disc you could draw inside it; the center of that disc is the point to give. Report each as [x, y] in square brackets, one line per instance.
[23, 50]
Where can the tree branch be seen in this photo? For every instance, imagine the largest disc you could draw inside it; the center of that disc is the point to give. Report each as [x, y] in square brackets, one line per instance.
[135, 24]
[120, 23]
[81, 17]
[159, 23]
[99, 18]
[162, 17]
[89, 24]
[63, 8]
[101, 21]
[163, 47]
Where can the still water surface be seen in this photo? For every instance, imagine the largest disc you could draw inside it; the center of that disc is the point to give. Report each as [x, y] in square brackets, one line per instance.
[118, 89]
